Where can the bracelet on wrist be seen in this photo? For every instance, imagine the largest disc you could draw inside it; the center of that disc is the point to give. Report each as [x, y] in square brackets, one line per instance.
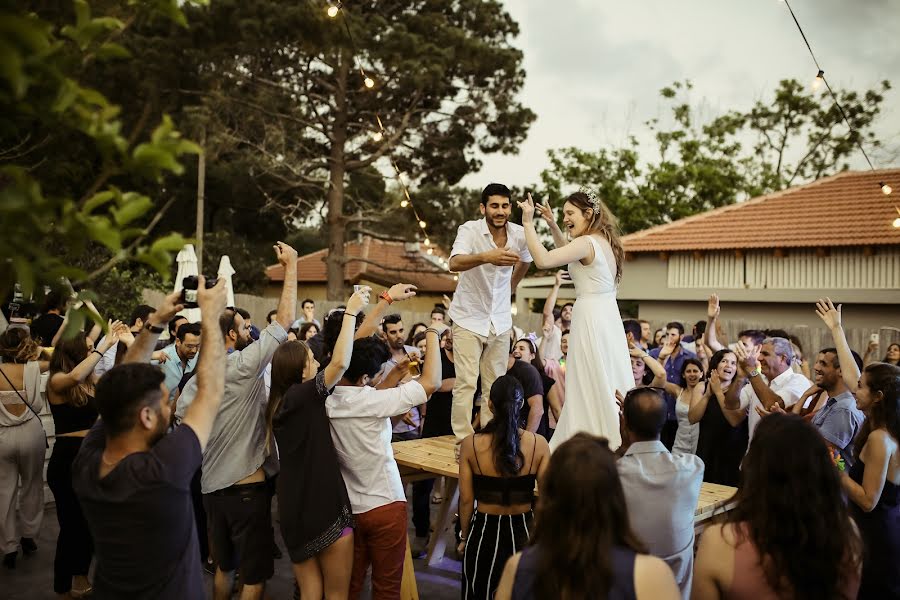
[97, 352]
[386, 297]
[349, 314]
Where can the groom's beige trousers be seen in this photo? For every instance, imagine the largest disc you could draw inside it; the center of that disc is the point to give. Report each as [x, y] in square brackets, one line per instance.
[474, 354]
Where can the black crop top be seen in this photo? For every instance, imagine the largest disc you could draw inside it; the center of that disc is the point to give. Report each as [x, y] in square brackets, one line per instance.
[505, 491]
[68, 417]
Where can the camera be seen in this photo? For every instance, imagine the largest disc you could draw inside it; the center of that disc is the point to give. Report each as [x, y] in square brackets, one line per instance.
[189, 290]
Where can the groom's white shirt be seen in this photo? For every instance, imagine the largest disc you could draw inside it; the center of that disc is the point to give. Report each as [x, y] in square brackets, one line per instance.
[482, 299]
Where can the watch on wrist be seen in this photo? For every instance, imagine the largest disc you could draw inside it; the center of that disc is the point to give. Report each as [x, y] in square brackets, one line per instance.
[157, 329]
[754, 372]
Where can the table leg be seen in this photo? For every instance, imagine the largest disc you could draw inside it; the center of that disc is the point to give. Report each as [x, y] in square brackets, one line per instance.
[438, 542]
[408, 588]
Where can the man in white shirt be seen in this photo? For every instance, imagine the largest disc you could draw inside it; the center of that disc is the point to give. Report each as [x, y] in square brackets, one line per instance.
[770, 379]
[491, 258]
[361, 430]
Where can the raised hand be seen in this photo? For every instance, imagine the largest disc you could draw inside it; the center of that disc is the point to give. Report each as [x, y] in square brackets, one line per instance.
[110, 340]
[715, 384]
[359, 300]
[828, 313]
[544, 211]
[285, 253]
[501, 257]
[212, 300]
[748, 359]
[402, 291]
[712, 307]
[123, 332]
[527, 210]
[167, 309]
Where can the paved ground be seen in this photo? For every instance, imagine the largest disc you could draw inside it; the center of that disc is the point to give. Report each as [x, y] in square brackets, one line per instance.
[33, 577]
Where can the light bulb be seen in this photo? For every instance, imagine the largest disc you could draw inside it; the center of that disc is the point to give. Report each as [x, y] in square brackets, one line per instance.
[332, 11]
[427, 242]
[369, 82]
[422, 224]
[897, 223]
[377, 136]
[456, 278]
[818, 81]
[404, 204]
[886, 189]
[431, 251]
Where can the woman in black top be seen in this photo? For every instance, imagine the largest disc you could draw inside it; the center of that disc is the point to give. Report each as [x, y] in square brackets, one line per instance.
[497, 470]
[71, 394]
[723, 437]
[316, 519]
[526, 349]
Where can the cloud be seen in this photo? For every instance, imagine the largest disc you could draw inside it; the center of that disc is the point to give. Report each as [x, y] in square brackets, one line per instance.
[594, 69]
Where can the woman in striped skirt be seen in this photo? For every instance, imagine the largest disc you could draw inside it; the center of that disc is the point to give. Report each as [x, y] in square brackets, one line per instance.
[498, 469]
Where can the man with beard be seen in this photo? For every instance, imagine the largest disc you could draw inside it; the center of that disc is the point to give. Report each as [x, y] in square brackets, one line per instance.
[233, 479]
[491, 258]
[181, 356]
[133, 480]
[406, 427]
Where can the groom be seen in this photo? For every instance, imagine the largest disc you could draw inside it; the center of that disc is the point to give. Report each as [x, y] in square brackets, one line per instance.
[491, 258]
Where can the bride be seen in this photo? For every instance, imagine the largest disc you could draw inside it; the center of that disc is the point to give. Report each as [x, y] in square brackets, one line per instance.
[598, 362]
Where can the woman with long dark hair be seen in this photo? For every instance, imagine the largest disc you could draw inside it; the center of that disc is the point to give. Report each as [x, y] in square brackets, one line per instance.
[70, 391]
[772, 545]
[723, 437]
[22, 443]
[873, 483]
[316, 518]
[582, 545]
[526, 349]
[498, 469]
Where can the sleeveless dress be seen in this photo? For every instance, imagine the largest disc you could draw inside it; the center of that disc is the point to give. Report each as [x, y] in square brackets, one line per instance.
[880, 531]
[598, 362]
[687, 434]
[621, 561]
[721, 446]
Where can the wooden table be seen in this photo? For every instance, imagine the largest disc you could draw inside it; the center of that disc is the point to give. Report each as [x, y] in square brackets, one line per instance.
[435, 457]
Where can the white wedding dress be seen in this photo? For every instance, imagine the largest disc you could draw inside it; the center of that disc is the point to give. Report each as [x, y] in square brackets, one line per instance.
[598, 362]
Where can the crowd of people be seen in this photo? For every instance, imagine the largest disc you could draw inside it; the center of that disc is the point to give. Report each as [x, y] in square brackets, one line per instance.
[168, 455]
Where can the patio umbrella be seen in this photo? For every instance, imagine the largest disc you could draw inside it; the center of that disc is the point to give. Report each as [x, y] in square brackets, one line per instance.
[225, 272]
[187, 266]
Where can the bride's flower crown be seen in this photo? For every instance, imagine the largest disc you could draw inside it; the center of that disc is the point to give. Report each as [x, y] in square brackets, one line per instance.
[592, 198]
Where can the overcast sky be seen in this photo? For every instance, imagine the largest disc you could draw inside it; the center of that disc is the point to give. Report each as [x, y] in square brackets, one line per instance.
[594, 67]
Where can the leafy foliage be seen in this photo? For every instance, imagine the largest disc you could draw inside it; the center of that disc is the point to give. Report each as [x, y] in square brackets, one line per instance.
[65, 160]
[795, 138]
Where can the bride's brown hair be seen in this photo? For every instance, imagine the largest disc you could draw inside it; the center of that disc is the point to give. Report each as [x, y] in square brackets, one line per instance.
[601, 220]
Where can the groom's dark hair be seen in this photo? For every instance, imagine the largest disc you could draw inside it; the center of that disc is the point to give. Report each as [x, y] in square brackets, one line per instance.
[495, 189]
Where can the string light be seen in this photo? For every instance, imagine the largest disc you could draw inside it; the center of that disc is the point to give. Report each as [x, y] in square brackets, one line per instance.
[818, 82]
[896, 222]
[885, 188]
[380, 133]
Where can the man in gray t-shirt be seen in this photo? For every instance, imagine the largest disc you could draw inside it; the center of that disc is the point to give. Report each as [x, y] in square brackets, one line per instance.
[235, 495]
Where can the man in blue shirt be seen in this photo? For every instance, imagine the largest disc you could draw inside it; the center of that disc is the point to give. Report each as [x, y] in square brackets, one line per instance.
[672, 356]
[182, 355]
[839, 420]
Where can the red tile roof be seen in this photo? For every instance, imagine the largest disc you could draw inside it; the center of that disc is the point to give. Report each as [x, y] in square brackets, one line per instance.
[847, 209]
[378, 261]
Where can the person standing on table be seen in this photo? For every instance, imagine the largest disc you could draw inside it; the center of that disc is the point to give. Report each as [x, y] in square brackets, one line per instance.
[599, 365]
[491, 258]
